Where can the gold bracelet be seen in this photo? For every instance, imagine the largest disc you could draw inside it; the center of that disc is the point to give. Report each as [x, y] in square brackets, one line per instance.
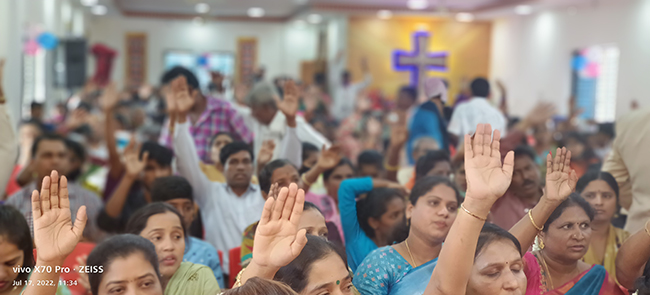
[646, 228]
[530, 216]
[304, 180]
[462, 206]
[390, 168]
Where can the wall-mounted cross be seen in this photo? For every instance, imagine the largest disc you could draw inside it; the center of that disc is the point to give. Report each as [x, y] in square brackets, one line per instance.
[419, 61]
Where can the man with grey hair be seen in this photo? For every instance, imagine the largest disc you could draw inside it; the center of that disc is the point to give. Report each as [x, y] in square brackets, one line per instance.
[271, 118]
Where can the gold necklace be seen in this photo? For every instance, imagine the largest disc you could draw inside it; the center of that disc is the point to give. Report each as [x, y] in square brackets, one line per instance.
[547, 271]
[415, 265]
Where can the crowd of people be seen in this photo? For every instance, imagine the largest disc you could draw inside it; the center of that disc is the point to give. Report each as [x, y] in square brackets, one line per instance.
[278, 188]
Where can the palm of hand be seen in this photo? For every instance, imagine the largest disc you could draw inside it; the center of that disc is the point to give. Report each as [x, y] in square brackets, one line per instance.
[557, 184]
[560, 180]
[484, 174]
[277, 237]
[55, 237]
[329, 159]
[184, 101]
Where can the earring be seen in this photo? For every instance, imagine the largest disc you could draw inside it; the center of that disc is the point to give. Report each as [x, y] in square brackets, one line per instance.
[541, 244]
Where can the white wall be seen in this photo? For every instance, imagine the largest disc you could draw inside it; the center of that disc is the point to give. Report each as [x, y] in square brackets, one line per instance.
[532, 54]
[281, 46]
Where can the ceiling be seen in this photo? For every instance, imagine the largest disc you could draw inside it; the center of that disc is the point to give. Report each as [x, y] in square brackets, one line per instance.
[281, 10]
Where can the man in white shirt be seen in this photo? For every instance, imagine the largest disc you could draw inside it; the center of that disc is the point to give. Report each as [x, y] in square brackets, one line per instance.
[344, 92]
[227, 208]
[477, 110]
[269, 119]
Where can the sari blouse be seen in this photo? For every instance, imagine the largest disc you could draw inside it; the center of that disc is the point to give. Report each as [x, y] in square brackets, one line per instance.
[594, 281]
[192, 279]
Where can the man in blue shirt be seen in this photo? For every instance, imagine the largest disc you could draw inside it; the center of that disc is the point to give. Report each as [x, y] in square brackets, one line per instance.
[428, 119]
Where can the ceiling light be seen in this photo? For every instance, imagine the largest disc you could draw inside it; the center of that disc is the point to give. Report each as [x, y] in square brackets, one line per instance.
[384, 14]
[255, 12]
[464, 17]
[202, 8]
[99, 10]
[314, 18]
[417, 4]
[523, 10]
[88, 2]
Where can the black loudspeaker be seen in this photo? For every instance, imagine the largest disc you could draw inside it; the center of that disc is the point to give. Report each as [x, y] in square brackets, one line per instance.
[70, 63]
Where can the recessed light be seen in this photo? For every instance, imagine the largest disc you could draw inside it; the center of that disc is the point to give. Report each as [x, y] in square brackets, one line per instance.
[314, 18]
[202, 8]
[255, 12]
[384, 14]
[464, 17]
[523, 10]
[417, 4]
[88, 2]
[99, 10]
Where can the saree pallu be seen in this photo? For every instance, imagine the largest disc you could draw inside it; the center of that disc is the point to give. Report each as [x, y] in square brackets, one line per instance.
[192, 279]
[594, 281]
[415, 281]
[615, 239]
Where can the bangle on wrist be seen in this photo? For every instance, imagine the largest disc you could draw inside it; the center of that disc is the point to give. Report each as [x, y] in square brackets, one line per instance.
[390, 168]
[530, 216]
[462, 206]
[305, 181]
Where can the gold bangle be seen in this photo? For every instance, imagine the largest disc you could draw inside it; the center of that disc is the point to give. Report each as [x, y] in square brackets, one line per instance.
[462, 206]
[304, 181]
[390, 168]
[530, 216]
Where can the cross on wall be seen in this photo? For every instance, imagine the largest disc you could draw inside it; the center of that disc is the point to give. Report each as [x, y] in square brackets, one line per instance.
[419, 61]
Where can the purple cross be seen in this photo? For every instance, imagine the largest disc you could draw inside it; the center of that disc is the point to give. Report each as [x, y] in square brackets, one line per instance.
[419, 61]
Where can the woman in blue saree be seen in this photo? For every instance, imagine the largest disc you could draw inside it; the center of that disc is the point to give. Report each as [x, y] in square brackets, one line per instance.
[431, 211]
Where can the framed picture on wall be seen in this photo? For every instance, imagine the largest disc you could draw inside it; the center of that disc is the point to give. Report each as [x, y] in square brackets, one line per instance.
[201, 63]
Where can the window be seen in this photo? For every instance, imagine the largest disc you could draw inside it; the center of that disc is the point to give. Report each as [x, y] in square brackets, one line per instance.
[595, 82]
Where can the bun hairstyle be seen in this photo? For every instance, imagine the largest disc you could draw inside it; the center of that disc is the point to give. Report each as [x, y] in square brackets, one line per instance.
[642, 284]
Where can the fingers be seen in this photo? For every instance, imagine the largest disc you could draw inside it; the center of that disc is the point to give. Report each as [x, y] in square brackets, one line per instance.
[487, 139]
[290, 202]
[557, 160]
[54, 189]
[276, 213]
[509, 164]
[36, 205]
[64, 197]
[573, 179]
[145, 157]
[469, 152]
[478, 139]
[299, 243]
[496, 145]
[80, 223]
[45, 194]
[267, 211]
[298, 206]
[567, 162]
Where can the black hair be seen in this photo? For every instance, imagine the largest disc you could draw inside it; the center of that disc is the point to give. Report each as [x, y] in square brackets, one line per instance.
[120, 246]
[162, 155]
[214, 137]
[14, 229]
[85, 106]
[139, 219]
[46, 136]
[76, 148]
[429, 161]
[573, 200]
[233, 148]
[256, 286]
[425, 184]
[371, 157]
[642, 284]
[608, 129]
[307, 149]
[265, 175]
[311, 206]
[492, 233]
[374, 205]
[592, 175]
[343, 162]
[525, 150]
[411, 91]
[34, 105]
[168, 188]
[480, 87]
[176, 71]
[588, 151]
[296, 273]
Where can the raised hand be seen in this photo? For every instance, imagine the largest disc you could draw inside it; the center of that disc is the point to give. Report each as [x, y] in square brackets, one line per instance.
[329, 157]
[277, 239]
[133, 164]
[560, 178]
[487, 179]
[266, 153]
[289, 105]
[183, 100]
[399, 132]
[109, 98]
[373, 127]
[541, 113]
[55, 236]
